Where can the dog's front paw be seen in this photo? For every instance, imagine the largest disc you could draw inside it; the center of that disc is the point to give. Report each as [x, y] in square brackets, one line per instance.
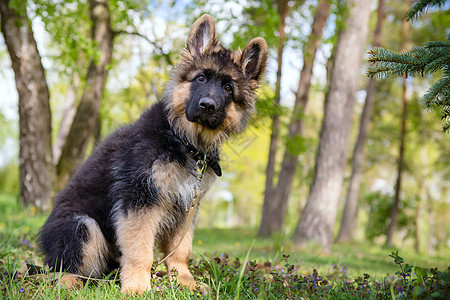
[201, 287]
[135, 282]
[135, 289]
[187, 280]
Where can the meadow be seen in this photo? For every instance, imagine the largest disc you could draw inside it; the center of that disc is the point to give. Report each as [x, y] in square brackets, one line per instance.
[235, 265]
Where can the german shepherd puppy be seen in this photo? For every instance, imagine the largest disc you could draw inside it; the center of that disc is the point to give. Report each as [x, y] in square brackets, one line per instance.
[133, 193]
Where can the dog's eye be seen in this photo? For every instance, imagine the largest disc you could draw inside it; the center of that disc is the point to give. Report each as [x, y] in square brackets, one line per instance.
[201, 78]
[228, 87]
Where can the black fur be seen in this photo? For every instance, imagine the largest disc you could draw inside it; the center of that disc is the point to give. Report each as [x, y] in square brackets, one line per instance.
[210, 95]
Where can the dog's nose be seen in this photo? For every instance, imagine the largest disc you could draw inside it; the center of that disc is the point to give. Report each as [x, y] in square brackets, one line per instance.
[208, 104]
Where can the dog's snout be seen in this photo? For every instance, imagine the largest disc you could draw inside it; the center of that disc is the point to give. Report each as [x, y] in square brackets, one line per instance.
[208, 104]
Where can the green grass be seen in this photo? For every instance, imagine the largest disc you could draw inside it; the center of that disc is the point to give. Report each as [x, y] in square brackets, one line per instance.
[356, 257]
[219, 260]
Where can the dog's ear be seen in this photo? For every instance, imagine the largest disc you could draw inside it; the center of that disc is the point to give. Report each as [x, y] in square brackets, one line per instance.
[254, 58]
[202, 36]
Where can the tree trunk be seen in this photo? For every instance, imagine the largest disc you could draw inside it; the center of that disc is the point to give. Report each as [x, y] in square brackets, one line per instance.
[349, 217]
[392, 227]
[37, 172]
[266, 220]
[289, 163]
[84, 124]
[319, 216]
[69, 111]
[432, 222]
[418, 216]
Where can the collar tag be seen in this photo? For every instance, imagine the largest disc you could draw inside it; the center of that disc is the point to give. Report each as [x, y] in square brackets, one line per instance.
[201, 167]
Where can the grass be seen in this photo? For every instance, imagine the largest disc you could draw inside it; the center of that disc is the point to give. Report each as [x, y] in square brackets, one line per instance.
[235, 265]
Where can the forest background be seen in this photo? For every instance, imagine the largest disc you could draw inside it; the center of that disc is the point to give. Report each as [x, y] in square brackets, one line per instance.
[96, 70]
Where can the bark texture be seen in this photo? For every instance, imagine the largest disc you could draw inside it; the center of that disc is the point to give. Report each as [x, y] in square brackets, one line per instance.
[281, 194]
[37, 172]
[319, 216]
[349, 217]
[84, 124]
[266, 220]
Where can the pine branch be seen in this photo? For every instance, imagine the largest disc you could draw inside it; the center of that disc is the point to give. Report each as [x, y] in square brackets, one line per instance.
[386, 62]
[445, 117]
[421, 6]
[439, 94]
[428, 59]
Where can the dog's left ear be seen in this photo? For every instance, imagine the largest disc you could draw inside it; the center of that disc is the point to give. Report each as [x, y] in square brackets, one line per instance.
[254, 58]
[202, 36]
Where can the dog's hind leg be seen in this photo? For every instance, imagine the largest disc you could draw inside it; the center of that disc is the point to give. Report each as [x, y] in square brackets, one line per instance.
[136, 233]
[94, 250]
[75, 244]
[179, 258]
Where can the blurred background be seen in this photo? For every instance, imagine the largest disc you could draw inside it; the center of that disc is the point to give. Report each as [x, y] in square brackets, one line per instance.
[331, 155]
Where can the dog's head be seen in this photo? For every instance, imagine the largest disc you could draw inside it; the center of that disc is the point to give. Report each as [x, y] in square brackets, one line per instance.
[211, 94]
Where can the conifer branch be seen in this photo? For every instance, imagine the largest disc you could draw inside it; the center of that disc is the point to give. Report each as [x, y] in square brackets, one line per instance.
[420, 7]
[438, 94]
[419, 61]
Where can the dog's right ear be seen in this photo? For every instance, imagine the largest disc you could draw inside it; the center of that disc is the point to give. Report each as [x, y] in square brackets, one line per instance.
[202, 36]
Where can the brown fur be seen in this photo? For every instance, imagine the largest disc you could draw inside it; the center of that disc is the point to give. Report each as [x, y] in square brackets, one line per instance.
[95, 251]
[136, 234]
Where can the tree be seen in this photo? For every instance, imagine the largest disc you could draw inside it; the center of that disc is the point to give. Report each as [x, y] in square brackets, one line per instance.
[349, 217]
[86, 118]
[430, 58]
[37, 172]
[319, 215]
[264, 230]
[37, 167]
[433, 56]
[275, 203]
[400, 162]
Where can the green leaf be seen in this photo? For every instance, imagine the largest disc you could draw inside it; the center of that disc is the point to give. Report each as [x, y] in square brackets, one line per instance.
[420, 273]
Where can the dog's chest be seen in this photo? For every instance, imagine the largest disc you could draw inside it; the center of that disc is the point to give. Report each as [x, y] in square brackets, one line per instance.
[179, 184]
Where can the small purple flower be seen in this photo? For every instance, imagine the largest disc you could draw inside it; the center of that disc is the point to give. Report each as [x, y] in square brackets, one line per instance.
[21, 290]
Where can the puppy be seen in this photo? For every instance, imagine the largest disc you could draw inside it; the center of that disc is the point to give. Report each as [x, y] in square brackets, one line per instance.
[134, 192]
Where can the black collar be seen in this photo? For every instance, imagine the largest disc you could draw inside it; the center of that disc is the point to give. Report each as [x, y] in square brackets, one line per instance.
[212, 160]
